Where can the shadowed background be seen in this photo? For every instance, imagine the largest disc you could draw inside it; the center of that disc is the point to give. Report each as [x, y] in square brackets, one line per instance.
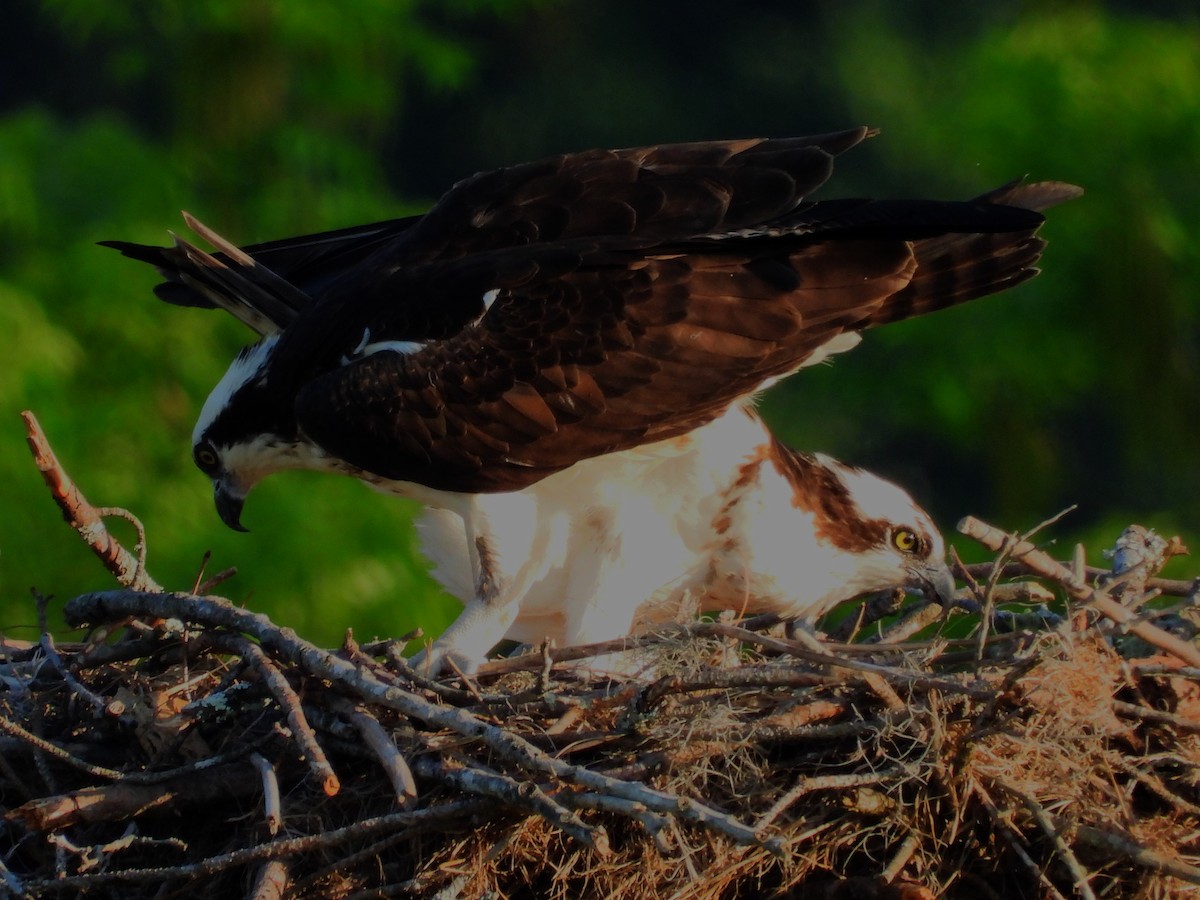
[268, 119]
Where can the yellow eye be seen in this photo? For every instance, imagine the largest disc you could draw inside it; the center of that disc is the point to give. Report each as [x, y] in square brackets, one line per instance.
[904, 540]
[206, 458]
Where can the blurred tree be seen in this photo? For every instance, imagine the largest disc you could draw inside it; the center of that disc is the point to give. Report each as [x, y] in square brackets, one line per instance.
[268, 119]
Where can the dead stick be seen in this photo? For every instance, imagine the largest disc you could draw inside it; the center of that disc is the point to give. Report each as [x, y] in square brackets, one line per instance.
[272, 881]
[377, 739]
[82, 516]
[1054, 831]
[1041, 563]
[272, 808]
[289, 701]
[1102, 839]
[523, 795]
[117, 802]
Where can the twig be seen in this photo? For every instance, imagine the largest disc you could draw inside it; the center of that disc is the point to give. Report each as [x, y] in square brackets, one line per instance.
[805, 786]
[1155, 785]
[1053, 831]
[709, 677]
[900, 858]
[466, 680]
[86, 519]
[794, 649]
[1170, 671]
[988, 595]
[376, 737]
[12, 882]
[1044, 565]
[632, 809]
[915, 619]
[1102, 839]
[44, 746]
[272, 809]
[878, 606]
[289, 701]
[272, 881]
[532, 662]
[1011, 837]
[399, 665]
[372, 851]
[99, 704]
[40, 745]
[519, 794]
[1157, 716]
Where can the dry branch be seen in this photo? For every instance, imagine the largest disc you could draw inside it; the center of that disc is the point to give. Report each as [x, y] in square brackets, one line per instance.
[129, 569]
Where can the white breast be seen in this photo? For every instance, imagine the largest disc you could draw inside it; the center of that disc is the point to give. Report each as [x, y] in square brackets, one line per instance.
[590, 544]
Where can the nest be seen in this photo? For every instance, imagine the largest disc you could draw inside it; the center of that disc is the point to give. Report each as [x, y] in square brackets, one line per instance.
[1050, 754]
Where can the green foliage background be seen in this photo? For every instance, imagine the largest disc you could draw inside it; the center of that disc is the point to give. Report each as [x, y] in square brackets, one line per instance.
[267, 119]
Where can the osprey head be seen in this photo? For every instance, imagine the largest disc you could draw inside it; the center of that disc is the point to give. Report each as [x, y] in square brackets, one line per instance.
[240, 437]
[892, 540]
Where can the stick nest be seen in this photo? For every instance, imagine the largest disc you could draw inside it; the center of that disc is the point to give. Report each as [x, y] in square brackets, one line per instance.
[1046, 755]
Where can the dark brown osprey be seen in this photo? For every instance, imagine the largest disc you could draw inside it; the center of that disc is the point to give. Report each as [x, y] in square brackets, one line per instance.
[558, 360]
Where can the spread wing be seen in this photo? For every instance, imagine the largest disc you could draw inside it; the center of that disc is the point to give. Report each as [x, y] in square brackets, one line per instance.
[590, 303]
[651, 192]
[591, 347]
[618, 350]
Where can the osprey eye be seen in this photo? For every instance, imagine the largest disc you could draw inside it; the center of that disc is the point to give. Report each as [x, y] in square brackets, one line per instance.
[904, 540]
[206, 457]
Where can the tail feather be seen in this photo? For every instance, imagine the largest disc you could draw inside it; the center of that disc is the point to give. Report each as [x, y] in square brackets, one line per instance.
[232, 280]
[954, 268]
[266, 285]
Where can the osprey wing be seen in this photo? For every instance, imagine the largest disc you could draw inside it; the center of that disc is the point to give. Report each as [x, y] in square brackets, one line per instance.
[579, 348]
[654, 193]
[594, 353]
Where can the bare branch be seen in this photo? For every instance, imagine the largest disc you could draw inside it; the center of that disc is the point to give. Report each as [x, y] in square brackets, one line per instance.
[86, 519]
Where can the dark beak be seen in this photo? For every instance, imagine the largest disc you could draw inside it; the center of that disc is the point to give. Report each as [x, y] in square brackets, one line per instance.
[935, 580]
[229, 502]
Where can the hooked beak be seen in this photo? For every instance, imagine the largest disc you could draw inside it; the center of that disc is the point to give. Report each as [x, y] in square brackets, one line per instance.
[935, 580]
[229, 498]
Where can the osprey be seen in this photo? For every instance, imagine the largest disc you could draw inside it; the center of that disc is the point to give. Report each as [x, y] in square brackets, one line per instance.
[559, 360]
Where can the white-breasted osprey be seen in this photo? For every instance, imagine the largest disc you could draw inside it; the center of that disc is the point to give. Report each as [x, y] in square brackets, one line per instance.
[558, 360]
